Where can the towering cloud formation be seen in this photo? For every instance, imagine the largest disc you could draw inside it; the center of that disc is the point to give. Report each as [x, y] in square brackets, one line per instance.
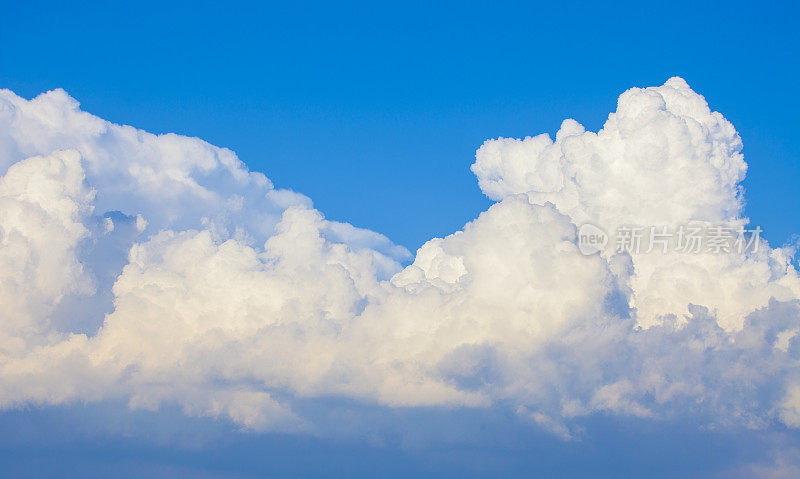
[158, 269]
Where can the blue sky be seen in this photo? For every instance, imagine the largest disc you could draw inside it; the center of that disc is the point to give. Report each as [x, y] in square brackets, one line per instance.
[375, 112]
[96, 441]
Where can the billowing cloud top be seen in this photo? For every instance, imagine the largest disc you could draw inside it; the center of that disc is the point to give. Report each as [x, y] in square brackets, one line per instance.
[158, 269]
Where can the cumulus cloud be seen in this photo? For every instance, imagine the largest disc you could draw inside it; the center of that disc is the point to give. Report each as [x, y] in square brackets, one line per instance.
[159, 270]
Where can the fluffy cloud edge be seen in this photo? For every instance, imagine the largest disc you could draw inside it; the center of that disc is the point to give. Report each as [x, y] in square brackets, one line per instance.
[211, 289]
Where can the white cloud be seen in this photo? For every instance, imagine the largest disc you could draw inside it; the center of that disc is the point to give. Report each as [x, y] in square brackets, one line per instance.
[662, 159]
[43, 203]
[210, 289]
